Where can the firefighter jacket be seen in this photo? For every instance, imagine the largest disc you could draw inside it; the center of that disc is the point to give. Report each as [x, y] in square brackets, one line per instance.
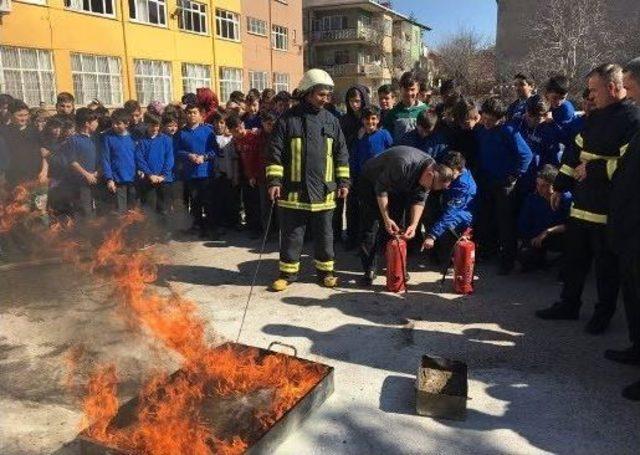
[624, 214]
[603, 141]
[308, 158]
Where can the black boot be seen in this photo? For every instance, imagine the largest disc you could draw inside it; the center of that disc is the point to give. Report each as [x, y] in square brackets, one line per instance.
[629, 356]
[368, 278]
[559, 311]
[632, 392]
[598, 323]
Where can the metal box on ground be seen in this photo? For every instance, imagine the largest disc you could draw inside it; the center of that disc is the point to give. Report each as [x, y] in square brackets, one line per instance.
[441, 388]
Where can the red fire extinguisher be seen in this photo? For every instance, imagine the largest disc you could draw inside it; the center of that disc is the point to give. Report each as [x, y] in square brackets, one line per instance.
[464, 260]
[396, 254]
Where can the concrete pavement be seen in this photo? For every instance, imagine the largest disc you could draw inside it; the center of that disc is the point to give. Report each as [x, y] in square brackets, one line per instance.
[535, 387]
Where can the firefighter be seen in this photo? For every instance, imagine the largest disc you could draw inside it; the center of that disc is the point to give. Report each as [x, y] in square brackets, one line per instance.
[402, 175]
[307, 168]
[586, 170]
[623, 228]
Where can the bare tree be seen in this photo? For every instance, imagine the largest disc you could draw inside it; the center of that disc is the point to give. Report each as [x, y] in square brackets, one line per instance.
[571, 38]
[464, 56]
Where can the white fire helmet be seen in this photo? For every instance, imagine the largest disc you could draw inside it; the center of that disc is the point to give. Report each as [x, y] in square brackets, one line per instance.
[315, 77]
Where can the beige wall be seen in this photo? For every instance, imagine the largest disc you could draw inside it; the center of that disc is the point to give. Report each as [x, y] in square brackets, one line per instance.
[258, 55]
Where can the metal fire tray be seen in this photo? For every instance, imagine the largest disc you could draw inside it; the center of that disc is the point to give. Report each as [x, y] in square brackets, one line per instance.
[260, 440]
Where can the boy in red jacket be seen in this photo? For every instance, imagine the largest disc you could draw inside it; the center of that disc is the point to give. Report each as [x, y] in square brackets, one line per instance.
[249, 146]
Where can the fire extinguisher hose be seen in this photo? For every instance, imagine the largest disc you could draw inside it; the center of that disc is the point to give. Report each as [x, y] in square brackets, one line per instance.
[255, 274]
[404, 265]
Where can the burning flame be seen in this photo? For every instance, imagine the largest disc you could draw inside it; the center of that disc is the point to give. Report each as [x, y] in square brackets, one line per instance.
[17, 210]
[169, 416]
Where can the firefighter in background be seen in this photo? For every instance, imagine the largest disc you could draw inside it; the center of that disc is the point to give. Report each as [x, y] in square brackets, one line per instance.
[586, 171]
[307, 168]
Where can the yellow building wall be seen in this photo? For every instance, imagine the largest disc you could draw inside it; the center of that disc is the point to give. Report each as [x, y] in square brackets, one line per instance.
[226, 52]
[52, 27]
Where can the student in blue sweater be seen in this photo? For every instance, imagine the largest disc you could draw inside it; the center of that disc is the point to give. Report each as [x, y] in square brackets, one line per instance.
[372, 141]
[118, 160]
[450, 212]
[545, 138]
[81, 154]
[540, 227]
[196, 147]
[524, 87]
[154, 160]
[427, 136]
[503, 157]
[556, 92]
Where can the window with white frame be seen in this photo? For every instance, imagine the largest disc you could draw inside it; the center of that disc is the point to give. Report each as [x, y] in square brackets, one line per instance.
[230, 80]
[104, 7]
[258, 80]
[280, 37]
[256, 26]
[96, 77]
[36, 2]
[148, 11]
[195, 76]
[192, 16]
[281, 82]
[227, 25]
[27, 74]
[153, 80]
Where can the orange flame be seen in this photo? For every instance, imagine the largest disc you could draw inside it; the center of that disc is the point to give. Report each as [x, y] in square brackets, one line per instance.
[168, 419]
[101, 403]
[17, 210]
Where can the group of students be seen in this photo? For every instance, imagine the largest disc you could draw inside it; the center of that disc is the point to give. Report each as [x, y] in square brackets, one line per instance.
[196, 156]
[527, 178]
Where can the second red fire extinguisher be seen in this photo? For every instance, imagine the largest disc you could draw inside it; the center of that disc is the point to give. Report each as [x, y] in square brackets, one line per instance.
[396, 254]
[464, 259]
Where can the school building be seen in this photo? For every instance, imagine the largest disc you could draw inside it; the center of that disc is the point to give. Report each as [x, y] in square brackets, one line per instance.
[114, 50]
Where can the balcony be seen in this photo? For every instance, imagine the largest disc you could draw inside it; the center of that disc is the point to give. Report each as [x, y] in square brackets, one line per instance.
[344, 35]
[354, 69]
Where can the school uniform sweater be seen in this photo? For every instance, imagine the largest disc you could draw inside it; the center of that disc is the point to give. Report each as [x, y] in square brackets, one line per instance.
[547, 142]
[252, 122]
[563, 114]
[517, 111]
[81, 149]
[458, 203]
[367, 147]
[537, 215]
[502, 154]
[201, 141]
[154, 156]
[118, 157]
[435, 144]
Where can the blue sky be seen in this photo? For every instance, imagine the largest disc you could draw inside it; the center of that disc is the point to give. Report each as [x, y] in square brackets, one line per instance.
[447, 16]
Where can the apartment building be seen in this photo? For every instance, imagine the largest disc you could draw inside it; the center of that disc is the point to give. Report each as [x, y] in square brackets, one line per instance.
[114, 50]
[272, 42]
[360, 41]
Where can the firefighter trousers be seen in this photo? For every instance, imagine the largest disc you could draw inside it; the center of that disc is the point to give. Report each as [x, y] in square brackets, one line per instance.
[585, 243]
[293, 224]
[630, 277]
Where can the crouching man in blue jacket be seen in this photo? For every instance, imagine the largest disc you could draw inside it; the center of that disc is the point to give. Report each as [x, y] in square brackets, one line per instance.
[450, 212]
